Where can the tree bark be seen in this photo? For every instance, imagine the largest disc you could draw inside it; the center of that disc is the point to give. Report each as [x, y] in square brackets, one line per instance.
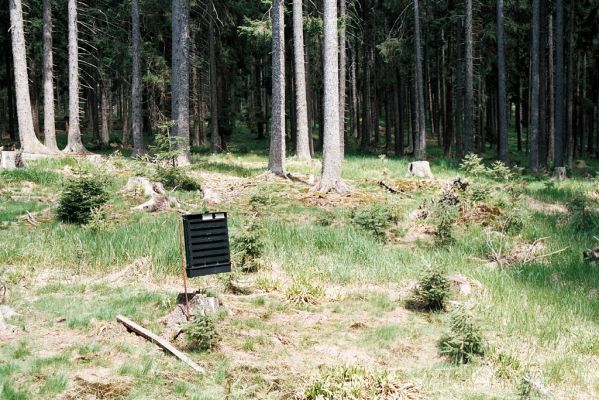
[469, 82]
[342, 73]
[215, 143]
[570, 95]
[104, 113]
[276, 159]
[551, 84]
[75, 144]
[29, 142]
[331, 162]
[420, 142]
[136, 122]
[533, 155]
[180, 78]
[354, 94]
[503, 125]
[47, 79]
[301, 104]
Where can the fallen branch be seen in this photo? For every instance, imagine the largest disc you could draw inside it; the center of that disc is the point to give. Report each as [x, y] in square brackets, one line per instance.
[160, 341]
[389, 187]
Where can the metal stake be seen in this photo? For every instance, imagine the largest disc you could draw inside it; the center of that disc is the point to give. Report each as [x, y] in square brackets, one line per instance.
[183, 269]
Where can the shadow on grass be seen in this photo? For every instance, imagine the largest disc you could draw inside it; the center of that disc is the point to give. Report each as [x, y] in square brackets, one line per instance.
[226, 168]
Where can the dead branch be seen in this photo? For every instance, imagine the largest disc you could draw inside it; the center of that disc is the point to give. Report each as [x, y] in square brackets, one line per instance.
[159, 341]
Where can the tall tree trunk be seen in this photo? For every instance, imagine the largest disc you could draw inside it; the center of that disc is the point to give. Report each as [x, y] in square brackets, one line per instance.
[399, 121]
[355, 123]
[469, 83]
[301, 103]
[420, 142]
[29, 142]
[551, 85]
[503, 125]
[180, 78]
[47, 79]
[75, 144]
[276, 159]
[331, 160]
[570, 95]
[104, 113]
[559, 84]
[542, 137]
[342, 73]
[215, 143]
[518, 115]
[10, 93]
[533, 135]
[136, 122]
[125, 120]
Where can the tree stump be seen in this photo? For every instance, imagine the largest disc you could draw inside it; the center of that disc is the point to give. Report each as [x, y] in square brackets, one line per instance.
[421, 169]
[11, 160]
[560, 173]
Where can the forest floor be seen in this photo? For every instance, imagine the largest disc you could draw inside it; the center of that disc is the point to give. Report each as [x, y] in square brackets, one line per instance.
[329, 292]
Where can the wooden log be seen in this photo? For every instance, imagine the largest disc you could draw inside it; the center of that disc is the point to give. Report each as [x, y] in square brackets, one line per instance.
[160, 341]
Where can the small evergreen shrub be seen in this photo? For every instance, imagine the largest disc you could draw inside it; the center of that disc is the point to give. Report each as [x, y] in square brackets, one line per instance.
[444, 216]
[464, 340]
[432, 291]
[249, 246]
[174, 178]
[167, 148]
[473, 164]
[201, 333]
[375, 220]
[581, 217]
[500, 172]
[80, 199]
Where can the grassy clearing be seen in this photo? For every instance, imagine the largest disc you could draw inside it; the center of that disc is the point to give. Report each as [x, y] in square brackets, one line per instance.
[329, 291]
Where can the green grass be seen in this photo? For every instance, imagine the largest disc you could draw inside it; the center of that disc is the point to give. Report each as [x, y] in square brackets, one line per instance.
[540, 316]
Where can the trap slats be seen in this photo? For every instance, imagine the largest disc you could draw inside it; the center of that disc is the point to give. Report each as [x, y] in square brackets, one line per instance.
[207, 249]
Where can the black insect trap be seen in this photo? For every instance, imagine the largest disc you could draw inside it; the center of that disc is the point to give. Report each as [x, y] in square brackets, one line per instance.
[204, 246]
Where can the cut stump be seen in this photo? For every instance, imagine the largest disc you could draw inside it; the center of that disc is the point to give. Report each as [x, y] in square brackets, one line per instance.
[420, 169]
[11, 160]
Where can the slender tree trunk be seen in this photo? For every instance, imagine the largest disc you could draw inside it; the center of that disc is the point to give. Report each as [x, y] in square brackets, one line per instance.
[180, 78]
[125, 119]
[136, 122]
[47, 79]
[518, 115]
[104, 113]
[35, 95]
[276, 159]
[342, 73]
[331, 162]
[399, 121]
[420, 142]
[354, 94]
[570, 95]
[301, 103]
[29, 142]
[10, 94]
[469, 83]
[215, 143]
[533, 135]
[551, 66]
[75, 144]
[543, 132]
[503, 125]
